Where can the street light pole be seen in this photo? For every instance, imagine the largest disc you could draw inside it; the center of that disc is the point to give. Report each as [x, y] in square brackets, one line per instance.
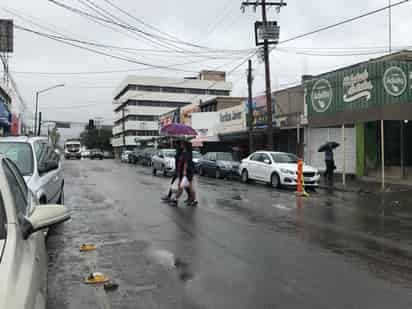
[37, 104]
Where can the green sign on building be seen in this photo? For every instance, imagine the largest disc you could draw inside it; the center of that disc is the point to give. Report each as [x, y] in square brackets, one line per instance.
[369, 91]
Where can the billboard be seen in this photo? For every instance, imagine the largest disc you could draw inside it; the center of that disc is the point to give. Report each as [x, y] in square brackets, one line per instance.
[6, 36]
[170, 117]
[260, 111]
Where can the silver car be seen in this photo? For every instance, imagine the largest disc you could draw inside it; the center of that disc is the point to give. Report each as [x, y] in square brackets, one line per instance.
[39, 164]
[164, 161]
[23, 256]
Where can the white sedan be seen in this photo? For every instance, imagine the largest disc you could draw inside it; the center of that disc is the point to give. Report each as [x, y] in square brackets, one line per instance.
[277, 169]
[23, 257]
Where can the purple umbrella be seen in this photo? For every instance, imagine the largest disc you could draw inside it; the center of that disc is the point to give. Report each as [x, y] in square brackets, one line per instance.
[177, 129]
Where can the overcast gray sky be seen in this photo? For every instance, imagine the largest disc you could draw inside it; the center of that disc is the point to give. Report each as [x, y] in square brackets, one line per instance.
[215, 23]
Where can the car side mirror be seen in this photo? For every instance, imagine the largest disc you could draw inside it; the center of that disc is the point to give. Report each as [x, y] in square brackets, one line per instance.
[266, 161]
[44, 216]
[48, 166]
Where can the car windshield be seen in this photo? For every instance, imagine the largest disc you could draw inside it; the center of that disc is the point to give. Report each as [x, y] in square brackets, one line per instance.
[225, 156]
[196, 154]
[170, 153]
[21, 154]
[284, 158]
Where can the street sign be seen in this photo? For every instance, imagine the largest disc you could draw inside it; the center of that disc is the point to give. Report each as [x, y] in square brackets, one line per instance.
[6, 36]
[267, 31]
[63, 125]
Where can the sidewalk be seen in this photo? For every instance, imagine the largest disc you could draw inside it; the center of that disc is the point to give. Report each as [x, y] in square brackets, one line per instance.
[367, 185]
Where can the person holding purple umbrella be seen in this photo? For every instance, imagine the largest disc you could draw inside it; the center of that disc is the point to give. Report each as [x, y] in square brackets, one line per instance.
[185, 168]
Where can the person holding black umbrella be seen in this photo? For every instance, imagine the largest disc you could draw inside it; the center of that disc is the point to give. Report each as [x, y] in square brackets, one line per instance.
[330, 166]
[327, 148]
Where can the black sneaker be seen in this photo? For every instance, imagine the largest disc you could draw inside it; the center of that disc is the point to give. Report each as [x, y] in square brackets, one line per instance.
[193, 203]
[165, 198]
[173, 203]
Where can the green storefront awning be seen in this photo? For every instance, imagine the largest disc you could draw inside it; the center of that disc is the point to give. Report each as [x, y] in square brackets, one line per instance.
[375, 90]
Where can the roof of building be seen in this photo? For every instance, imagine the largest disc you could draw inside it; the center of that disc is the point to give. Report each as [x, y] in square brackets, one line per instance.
[221, 98]
[405, 55]
[162, 97]
[172, 82]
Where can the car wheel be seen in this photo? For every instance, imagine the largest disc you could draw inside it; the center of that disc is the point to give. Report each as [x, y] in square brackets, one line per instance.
[61, 198]
[218, 174]
[164, 171]
[201, 171]
[154, 171]
[275, 180]
[245, 176]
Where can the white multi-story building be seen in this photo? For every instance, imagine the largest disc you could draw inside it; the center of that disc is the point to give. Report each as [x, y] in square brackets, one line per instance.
[140, 100]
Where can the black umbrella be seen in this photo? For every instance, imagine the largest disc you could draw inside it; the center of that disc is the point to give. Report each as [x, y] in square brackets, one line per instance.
[328, 146]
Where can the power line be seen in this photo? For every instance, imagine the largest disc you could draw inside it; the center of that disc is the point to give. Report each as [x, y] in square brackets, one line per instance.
[345, 21]
[65, 41]
[129, 27]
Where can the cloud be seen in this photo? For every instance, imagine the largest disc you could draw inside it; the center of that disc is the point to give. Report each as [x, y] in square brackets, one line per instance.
[189, 20]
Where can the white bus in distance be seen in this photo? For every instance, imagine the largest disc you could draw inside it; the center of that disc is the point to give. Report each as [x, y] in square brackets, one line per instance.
[72, 149]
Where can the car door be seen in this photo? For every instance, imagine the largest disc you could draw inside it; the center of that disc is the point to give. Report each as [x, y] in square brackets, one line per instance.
[211, 163]
[252, 166]
[265, 167]
[157, 160]
[26, 272]
[48, 183]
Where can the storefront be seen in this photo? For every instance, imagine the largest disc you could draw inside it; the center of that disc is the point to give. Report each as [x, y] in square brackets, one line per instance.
[368, 106]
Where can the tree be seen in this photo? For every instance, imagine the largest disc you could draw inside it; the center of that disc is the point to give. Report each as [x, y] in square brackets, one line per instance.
[95, 138]
[54, 136]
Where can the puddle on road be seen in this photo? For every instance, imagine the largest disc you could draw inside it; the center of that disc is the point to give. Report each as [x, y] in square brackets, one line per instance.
[282, 207]
[170, 261]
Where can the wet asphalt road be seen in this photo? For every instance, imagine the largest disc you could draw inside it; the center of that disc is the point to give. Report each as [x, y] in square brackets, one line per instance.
[244, 246]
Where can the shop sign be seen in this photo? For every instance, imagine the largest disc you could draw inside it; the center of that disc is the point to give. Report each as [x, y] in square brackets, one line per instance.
[169, 117]
[321, 95]
[410, 79]
[395, 81]
[357, 86]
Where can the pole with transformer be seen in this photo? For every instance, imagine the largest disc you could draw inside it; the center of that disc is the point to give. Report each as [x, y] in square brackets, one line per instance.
[250, 106]
[264, 4]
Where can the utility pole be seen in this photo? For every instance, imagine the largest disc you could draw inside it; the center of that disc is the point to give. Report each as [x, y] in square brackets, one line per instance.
[267, 81]
[39, 130]
[250, 106]
[266, 36]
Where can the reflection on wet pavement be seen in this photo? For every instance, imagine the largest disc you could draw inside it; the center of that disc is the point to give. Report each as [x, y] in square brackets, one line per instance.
[277, 249]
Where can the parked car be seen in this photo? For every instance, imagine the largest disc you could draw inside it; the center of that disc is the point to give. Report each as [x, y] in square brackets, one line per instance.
[196, 156]
[39, 164]
[23, 258]
[96, 154]
[277, 169]
[135, 156]
[85, 153]
[108, 154]
[146, 156]
[164, 161]
[124, 157]
[219, 165]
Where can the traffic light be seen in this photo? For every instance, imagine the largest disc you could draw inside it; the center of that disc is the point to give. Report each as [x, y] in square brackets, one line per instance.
[91, 124]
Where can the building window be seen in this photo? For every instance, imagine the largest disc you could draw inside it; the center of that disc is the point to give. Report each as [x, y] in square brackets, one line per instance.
[219, 92]
[149, 88]
[196, 91]
[173, 89]
[156, 103]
